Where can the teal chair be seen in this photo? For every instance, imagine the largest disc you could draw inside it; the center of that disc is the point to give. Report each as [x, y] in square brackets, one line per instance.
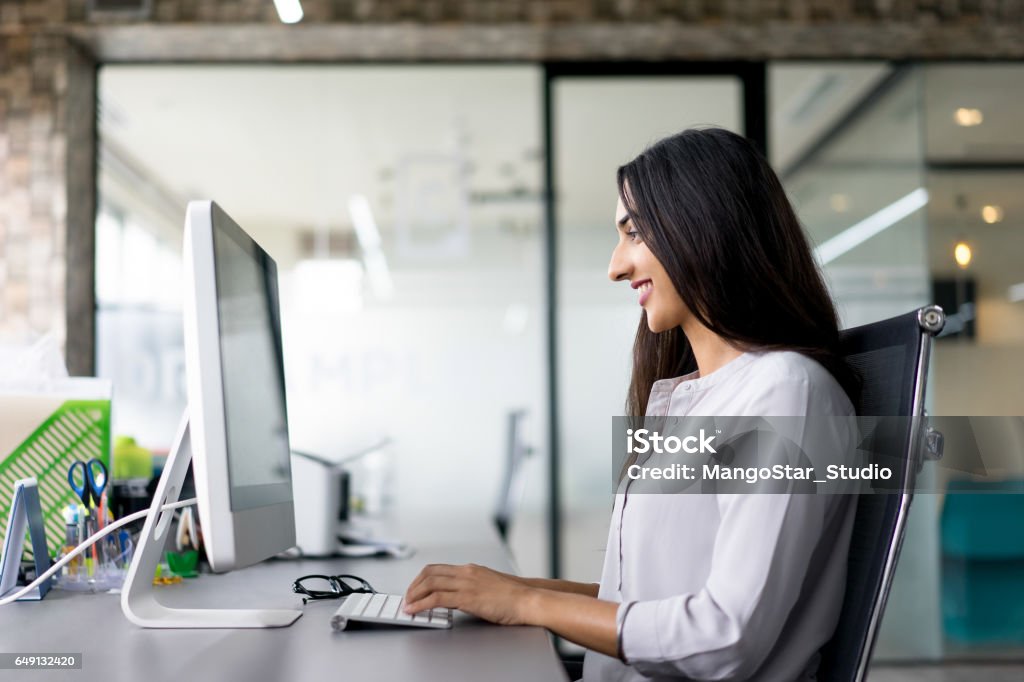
[983, 562]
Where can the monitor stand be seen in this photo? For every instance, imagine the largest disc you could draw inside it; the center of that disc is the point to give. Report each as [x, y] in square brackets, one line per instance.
[138, 598]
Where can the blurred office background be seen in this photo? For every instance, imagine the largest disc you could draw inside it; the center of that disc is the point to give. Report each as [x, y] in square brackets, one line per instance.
[436, 183]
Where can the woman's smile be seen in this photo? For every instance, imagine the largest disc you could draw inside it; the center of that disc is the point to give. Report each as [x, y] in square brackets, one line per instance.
[644, 287]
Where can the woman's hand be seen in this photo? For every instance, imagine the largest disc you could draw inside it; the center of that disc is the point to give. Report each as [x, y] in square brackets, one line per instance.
[488, 594]
[571, 612]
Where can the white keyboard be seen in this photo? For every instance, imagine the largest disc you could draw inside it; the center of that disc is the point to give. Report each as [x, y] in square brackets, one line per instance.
[387, 609]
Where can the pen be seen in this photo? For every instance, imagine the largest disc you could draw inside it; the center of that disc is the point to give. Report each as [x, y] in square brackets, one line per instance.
[125, 541]
[70, 534]
[103, 510]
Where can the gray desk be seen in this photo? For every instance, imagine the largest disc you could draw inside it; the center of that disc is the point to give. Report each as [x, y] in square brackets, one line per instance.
[114, 650]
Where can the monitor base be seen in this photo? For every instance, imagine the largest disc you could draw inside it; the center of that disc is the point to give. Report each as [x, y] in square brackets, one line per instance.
[138, 598]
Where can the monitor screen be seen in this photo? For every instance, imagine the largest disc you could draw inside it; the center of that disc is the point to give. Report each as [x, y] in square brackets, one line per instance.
[252, 366]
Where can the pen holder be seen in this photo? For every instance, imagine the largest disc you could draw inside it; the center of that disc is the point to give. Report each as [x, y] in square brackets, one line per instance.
[106, 571]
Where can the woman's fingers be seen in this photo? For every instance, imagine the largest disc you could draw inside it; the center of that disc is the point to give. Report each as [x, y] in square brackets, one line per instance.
[428, 571]
[430, 585]
[433, 600]
[475, 589]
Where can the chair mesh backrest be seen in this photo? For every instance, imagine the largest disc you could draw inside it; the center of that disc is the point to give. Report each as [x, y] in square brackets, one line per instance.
[885, 356]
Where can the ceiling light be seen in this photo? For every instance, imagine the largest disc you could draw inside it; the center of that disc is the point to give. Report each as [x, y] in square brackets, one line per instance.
[290, 11]
[840, 203]
[860, 232]
[968, 117]
[362, 219]
[962, 254]
[992, 214]
[370, 242]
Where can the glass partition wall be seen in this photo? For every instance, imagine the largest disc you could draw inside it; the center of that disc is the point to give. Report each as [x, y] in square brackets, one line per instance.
[599, 123]
[905, 177]
[404, 208]
[857, 181]
[974, 170]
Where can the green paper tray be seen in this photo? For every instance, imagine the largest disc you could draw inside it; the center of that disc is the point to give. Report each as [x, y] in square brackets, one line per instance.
[78, 429]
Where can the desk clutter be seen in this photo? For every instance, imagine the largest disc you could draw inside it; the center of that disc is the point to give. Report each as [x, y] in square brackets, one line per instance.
[43, 435]
[65, 481]
[53, 425]
[91, 559]
[103, 566]
[56, 485]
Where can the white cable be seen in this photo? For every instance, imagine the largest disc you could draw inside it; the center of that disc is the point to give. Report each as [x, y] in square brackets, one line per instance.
[89, 542]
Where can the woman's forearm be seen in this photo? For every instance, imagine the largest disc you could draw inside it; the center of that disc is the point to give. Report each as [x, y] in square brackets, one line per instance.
[581, 619]
[571, 610]
[570, 586]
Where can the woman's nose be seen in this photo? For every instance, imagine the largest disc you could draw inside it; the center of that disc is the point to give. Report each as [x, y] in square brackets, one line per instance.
[618, 268]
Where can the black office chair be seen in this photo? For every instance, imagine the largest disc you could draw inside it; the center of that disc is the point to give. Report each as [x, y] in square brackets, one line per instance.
[892, 359]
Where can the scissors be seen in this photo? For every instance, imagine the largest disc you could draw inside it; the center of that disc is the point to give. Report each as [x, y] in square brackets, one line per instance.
[93, 475]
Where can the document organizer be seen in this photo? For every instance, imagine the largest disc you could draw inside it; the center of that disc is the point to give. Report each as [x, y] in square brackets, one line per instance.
[41, 436]
[25, 511]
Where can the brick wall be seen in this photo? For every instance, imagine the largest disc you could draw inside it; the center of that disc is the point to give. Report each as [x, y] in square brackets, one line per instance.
[539, 11]
[47, 83]
[34, 121]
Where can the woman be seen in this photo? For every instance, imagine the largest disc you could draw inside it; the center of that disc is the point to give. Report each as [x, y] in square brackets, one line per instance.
[736, 321]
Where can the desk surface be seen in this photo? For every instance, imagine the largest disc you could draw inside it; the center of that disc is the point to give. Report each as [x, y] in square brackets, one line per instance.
[114, 650]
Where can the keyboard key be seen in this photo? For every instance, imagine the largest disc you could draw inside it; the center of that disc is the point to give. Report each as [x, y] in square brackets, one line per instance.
[390, 609]
[375, 606]
[384, 608]
[354, 604]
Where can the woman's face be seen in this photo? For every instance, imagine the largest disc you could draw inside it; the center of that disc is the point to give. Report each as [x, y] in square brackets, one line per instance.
[633, 261]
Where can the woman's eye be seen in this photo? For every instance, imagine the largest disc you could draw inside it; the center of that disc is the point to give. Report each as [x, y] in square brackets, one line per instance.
[633, 234]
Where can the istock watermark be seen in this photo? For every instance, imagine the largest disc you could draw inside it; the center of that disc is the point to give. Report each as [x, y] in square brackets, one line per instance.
[777, 472]
[812, 455]
[643, 441]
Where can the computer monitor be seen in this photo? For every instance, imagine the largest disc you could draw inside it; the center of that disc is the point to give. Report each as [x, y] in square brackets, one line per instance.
[235, 427]
[235, 375]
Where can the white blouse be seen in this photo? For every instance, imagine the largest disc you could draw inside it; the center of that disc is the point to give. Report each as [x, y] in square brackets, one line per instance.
[715, 586]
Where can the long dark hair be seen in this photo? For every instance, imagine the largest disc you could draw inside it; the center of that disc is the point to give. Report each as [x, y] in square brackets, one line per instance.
[713, 212]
